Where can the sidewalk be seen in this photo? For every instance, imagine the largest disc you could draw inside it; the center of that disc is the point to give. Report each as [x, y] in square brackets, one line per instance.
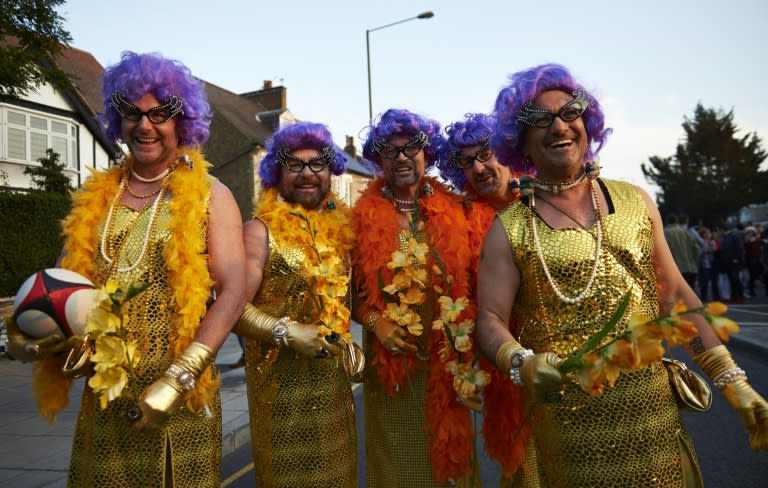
[34, 454]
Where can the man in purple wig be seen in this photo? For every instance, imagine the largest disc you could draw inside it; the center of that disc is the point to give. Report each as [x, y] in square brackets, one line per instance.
[411, 266]
[570, 251]
[297, 324]
[161, 221]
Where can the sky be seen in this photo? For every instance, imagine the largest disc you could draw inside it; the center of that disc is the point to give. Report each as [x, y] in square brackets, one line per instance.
[648, 63]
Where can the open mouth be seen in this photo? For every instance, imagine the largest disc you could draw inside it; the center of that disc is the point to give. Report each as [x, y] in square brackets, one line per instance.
[561, 144]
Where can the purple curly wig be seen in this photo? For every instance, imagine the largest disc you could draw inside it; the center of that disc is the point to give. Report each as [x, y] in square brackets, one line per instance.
[401, 122]
[466, 133]
[139, 74]
[524, 86]
[300, 135]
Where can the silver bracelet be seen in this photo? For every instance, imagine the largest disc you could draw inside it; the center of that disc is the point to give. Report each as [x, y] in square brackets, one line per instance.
[729, 376]
[517, 363]
[280, 331]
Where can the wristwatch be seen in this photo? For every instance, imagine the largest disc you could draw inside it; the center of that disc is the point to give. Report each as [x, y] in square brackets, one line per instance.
[280, 331]
[517, 362]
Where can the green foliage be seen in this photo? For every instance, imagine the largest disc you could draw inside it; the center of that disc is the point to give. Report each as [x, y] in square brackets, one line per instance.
[35, 37]
[713, 172]
[30, 235]
[49, 176]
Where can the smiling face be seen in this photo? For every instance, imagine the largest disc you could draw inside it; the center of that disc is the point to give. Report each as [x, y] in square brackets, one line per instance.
[557, 151]
[152, 145]
[305, 188]
[489, 178]
[403, 173]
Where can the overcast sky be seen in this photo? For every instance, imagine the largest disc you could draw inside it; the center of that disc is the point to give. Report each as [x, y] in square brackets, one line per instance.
[649, 63]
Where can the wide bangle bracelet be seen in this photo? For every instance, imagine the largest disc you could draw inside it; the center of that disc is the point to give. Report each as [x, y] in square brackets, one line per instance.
[182, 377]
[280, 331]
[371, 319]
[729, 376]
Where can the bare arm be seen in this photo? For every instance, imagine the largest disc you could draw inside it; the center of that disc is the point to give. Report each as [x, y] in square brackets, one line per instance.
[256, 238]
[497, 285]
[672, 287]
[226, 262]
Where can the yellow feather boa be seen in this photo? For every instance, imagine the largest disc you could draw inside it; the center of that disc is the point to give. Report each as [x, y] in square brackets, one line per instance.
[332, 228]
[185, 258]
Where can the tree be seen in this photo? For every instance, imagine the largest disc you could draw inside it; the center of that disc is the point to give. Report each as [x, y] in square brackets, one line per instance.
[31, 36]
[49, 176]
[713, 172]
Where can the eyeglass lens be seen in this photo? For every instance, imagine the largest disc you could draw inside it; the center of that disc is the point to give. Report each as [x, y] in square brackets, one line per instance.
[296, 165]
[156, 115]
[483, 155]
[568, 113]
[410, 150]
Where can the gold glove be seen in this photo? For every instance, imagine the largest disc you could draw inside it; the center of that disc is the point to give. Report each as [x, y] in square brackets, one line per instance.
[505, 353]
[302, 338]
[255, 324]
[542, 380]
[78, 362]
[163, 398]
[732, 381]
[27, 350]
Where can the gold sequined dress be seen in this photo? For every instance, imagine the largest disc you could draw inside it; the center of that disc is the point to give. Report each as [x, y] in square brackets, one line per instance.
[631, 435]
[303, 428]
[107, 451]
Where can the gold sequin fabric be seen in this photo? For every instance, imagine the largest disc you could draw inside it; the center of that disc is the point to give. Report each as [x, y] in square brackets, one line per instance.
[397, 443]
[632, 434]
[303, 429]
[107, 451]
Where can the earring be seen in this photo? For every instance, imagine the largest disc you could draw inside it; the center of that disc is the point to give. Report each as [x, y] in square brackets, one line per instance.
[514, 186]
[526, 185]
[187, 161]
[592, 169]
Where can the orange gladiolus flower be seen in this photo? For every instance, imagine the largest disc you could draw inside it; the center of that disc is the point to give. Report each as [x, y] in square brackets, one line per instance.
[724, 327]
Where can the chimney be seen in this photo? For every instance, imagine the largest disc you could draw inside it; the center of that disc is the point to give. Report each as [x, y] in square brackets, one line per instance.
[271, 97]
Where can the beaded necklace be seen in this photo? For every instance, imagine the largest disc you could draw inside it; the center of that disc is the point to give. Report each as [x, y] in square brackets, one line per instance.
[141, 197]
[156, 178]
[558, 187]
[598, 248]
[147, 234]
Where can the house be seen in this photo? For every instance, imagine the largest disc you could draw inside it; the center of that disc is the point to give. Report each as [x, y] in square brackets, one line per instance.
[63, 120]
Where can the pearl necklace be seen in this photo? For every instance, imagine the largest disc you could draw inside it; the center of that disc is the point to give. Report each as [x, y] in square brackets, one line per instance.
[558, 187]
[598, 248]
[152, 180]
[108, 226]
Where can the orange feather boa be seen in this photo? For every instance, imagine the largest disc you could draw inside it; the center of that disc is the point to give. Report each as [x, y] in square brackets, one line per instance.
[503, 405]
[376, 223]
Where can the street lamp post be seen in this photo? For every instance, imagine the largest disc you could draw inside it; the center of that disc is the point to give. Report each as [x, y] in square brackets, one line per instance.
[423, 15]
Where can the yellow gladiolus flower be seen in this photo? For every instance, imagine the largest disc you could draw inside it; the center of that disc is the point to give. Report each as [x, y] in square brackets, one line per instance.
[461, 338]
[412, 296]
[715, 308]
[723, 327]
[450, 309]
[416, 328]
[399, 260]
[110, 352]
[109, 383]
[400, 313]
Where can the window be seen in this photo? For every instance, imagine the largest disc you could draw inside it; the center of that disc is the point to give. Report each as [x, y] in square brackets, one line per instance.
[25, 136]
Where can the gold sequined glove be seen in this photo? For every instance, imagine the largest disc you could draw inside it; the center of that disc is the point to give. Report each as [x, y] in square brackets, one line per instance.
[302, 338]
[537, 373]
[26, 350]
[732, 381]
[163, 398]
[541, 377]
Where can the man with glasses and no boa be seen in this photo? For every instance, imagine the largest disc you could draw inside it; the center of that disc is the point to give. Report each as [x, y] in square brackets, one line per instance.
[568, 253]
[161, 220]
[468, 162]
[418, 432]
[298, 248]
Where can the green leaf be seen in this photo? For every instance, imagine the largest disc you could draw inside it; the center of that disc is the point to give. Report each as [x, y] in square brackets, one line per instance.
[576, 361]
